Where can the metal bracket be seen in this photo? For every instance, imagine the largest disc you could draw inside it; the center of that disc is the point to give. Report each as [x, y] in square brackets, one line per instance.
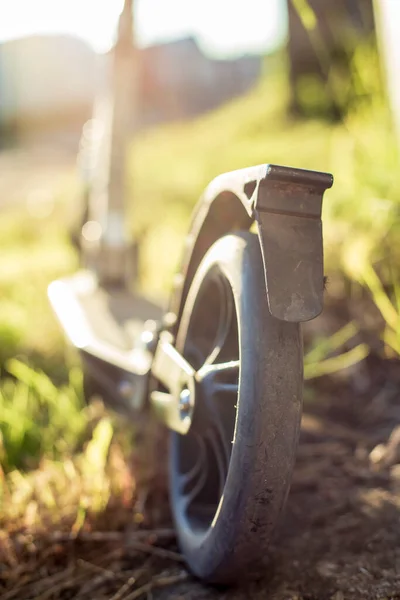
[175, 407]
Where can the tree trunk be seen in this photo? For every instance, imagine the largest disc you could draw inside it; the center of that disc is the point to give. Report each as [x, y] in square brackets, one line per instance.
[323, 35]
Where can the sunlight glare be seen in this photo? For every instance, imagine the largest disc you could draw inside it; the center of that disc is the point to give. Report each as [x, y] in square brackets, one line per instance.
[222, 28]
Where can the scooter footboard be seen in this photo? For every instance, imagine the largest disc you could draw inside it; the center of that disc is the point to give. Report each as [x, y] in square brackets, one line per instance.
[106, 325]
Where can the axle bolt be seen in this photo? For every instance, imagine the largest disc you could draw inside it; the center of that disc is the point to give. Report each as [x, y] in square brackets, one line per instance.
[185, 403]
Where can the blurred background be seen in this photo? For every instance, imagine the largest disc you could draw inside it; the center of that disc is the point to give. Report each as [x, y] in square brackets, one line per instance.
[215, 86]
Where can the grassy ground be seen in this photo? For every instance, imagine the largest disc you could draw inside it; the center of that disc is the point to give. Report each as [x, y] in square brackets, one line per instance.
[63, 465]
[171, 166]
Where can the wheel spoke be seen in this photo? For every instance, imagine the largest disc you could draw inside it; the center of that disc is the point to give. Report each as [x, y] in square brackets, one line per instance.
[218, 369]
[221, 454]
[224, 324]
[224, 435]
[194, 479]
[211, 344]
[226, 388]
[187, 480]
[192, 483]
[218, 407]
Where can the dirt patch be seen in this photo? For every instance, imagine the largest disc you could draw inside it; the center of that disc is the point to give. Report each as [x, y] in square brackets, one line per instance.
[340, 538]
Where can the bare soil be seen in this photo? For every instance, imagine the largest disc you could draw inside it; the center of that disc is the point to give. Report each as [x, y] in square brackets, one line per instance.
[339, 539]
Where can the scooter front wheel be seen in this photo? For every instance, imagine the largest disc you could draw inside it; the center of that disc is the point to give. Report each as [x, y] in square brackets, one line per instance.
[231, 473]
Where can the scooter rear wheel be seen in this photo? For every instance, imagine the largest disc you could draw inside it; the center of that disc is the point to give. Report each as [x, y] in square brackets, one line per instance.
[230, 475]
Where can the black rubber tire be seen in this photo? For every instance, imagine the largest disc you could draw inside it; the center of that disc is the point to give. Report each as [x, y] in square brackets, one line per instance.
[268, 415]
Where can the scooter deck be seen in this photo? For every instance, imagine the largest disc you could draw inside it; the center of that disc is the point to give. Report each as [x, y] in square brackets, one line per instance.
[117, 316]
[106, 326]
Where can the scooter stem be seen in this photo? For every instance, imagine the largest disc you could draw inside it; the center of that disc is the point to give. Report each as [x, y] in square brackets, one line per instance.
[110, 254]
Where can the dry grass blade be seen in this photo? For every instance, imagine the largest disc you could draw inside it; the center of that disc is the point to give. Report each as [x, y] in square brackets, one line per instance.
[67, 582]
[38, 585]
[15, 592]
[156, 551]
[89, 573]
[111, 536]
[129, 583]
[96, 568]
[157, 582]
[124, 588]
[86, 591]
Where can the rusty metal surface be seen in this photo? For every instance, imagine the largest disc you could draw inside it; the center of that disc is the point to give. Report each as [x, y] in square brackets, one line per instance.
[288, 214]
[286, 204]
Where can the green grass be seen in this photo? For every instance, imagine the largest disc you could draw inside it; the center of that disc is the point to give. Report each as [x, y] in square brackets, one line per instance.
[37, 418]
[57, 455]
[40, 392]
[32, 253]
[171, 166]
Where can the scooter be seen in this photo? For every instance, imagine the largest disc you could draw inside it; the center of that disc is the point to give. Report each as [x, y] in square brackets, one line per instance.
[222, 367]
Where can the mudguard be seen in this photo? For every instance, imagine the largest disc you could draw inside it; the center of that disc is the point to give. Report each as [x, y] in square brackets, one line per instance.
[285, 203]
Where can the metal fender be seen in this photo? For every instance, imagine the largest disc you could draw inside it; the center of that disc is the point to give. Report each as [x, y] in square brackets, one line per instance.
[285, 203]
